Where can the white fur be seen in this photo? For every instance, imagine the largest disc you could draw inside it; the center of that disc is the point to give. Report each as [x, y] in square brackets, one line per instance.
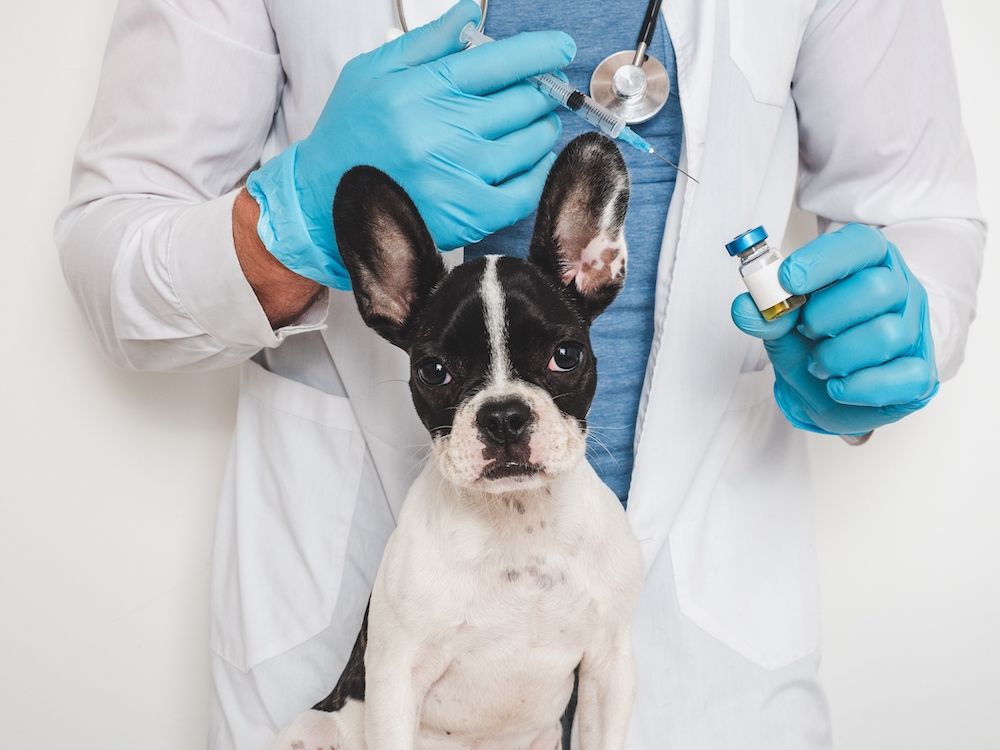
[495, 313]
[319, 730]
[603, 259]
[483, 606]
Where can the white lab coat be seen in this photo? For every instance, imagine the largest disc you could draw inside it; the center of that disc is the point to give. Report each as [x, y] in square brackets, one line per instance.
[856, 101]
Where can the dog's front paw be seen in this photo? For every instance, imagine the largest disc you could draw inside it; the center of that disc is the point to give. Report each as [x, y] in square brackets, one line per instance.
[319, 730]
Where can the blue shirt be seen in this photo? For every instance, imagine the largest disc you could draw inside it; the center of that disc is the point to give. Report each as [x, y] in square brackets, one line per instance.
[621, 337]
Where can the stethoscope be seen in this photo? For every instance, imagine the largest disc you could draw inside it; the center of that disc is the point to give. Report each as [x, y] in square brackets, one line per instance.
[632, 83]
[484, 4]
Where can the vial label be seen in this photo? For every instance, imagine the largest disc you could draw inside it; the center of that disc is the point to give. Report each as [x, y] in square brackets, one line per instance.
[765, 288]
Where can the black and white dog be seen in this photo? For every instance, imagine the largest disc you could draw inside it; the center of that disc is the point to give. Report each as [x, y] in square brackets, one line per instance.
[512, 566]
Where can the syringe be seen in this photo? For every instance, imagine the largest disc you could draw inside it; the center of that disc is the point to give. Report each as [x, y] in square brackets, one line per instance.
[577, 102]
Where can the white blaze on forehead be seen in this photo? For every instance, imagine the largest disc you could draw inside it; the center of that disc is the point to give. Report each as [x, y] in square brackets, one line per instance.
[495, 314]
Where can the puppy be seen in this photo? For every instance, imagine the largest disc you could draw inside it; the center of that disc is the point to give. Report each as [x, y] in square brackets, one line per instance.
[512, 567]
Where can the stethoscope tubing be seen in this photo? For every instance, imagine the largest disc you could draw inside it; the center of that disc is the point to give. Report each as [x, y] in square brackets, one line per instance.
[401, 15]
[646, 31]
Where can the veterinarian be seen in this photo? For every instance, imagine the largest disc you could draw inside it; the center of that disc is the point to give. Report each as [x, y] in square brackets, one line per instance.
[849, 109]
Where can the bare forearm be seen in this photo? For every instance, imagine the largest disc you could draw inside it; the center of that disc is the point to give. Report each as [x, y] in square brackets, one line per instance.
[283, 294]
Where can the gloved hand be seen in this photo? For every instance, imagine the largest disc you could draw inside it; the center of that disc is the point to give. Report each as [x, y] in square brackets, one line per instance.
[460, 130]
[858, 354]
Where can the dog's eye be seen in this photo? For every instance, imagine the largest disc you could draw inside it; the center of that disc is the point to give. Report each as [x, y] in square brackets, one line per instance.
[566, 357]
[432, 372]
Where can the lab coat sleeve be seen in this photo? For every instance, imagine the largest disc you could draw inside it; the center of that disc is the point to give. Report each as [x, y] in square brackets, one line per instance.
[882, 143]
[187, 97]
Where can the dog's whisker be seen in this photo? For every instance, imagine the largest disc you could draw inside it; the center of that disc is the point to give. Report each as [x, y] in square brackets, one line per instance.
[596, 456]
[607, 428]
[601, 444]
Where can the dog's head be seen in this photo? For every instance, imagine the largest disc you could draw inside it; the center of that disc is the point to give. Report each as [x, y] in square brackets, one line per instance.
[502, 373]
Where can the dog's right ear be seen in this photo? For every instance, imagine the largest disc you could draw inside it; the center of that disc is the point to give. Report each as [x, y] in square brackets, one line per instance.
[388, 251]
[579, 237]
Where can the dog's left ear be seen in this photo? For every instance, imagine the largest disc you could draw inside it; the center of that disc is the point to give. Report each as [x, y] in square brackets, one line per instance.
[579, 233]
[388, 251]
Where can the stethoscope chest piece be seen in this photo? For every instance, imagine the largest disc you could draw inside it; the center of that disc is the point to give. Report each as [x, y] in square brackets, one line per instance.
[635, 93]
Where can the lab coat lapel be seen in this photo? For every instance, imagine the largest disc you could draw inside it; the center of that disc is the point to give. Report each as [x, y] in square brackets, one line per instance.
[692, 28]
[696, 350]
[375, 376]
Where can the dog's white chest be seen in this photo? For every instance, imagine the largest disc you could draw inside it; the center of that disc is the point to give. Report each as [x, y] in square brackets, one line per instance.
[508, 668]
[507, 598]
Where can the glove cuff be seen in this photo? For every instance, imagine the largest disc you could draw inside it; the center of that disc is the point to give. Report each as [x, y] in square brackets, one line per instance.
[284, 228]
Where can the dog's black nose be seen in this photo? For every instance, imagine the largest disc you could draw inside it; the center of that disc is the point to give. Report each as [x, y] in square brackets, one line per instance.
[504, 422]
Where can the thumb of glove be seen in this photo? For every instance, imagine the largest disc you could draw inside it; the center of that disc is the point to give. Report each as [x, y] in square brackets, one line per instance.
[748, 319]
[787, 349]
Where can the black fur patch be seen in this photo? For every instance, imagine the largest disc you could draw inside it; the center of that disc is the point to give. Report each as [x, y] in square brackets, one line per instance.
[389, 254]
[352, 680]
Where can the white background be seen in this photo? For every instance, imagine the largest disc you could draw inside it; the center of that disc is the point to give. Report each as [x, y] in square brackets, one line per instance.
[108, 479]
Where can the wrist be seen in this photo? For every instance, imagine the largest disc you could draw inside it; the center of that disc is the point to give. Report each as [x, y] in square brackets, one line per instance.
[300, 237]
[283, 294]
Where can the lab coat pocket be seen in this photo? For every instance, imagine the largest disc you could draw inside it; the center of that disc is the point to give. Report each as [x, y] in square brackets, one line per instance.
[285, 516]
[742, 543]
[755, 385]
[764, 38]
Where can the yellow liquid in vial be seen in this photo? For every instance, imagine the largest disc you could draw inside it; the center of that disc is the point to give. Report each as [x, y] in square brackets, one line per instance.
[776, 311]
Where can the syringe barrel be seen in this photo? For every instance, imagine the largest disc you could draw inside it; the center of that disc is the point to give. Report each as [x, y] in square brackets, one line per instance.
[585, 107]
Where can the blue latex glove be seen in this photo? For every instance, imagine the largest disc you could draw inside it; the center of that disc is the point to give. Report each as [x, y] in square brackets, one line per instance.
[461, 131]
[858, 354]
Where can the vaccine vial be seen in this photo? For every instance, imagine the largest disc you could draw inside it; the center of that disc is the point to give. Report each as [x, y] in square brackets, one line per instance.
[759, 264]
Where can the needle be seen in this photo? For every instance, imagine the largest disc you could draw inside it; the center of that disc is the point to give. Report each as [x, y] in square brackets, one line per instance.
[667, 161]
[636, 141]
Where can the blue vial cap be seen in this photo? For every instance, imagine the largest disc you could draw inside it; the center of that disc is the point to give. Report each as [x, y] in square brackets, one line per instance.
[746, 240]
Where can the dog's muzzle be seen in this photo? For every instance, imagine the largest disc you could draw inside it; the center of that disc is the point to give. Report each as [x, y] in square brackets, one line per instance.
[505, 427]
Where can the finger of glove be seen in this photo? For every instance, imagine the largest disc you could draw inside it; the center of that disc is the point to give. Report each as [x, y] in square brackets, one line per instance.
[427, 43]
[517, 152]
[834, 418]
[497, 65]
[748, 319]
[902, 381]
[832, 257]
[863, 296]
[868, 344]
[516, 198]
[508, 110]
